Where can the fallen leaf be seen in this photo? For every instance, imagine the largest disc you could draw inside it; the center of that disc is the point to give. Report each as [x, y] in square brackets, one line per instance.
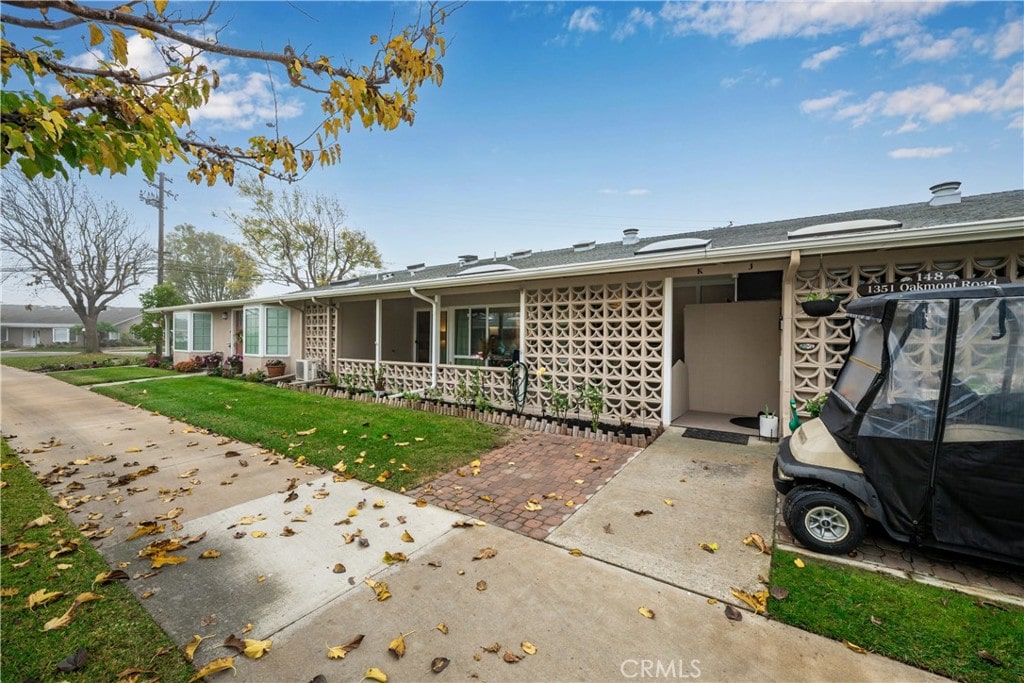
[990, 658]
[9, 592]
[733, 614]
[438, 664]
[40, 521]
[210, 554]
[485, 553]
[487, 499]
[254, 649]
[217, 665]
[709, 547]
[576, 552]
[306, 432]
[397, 646]
[712, 601]
[66, 618]
[339, 651]
[528, 647]
[392, 558]
[73, 662]
[407, 537]
[442, 627]
[259, 534]
[378, 503]
[339, 568]
[287, 531]
[380, 588]
[511, 657]
[190, 648]
[163, 560]
[234, 642]
[110, 575]
[799, 563]
[42, 597]
[671, 503]
[856, 648]
[758, 541]
[570, 503]
[758, 601]
[481, 585]
[491, 648]
[641, 513]
[649, 613]
[375, 674]
[532, 506]
[608, 528]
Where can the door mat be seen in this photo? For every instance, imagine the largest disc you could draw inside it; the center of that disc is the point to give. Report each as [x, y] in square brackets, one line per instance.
[746, 422]
[714, 435]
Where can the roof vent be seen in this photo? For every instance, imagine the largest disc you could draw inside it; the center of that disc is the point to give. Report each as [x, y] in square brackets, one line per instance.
[584, 246]
[467, 259]
[385, 276]
[826, 229]
[631, 235]
[522, 253]
[416, 267]
[945, 193]
[345, 283]
[675, 244]
[488, 268]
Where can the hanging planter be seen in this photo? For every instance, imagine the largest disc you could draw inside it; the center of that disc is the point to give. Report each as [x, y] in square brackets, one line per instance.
[818, 306]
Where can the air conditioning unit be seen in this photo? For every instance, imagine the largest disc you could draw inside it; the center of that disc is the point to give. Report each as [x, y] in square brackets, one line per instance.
[305, 370]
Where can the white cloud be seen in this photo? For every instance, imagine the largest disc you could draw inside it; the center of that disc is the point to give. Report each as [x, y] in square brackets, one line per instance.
[823, 103]
[919, 152]
[818, 59]
[1009, 39]
[750, 22]
[637, 17]
[933, 103]
[242, 102]
[922, 47]
[585, 19]
[755, 75]
[634, 192]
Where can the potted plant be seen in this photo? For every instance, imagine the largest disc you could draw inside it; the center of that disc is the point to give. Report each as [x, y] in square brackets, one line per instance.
[378, 382]
[275, 367]
[813, 406]
[235, 362]
[768, 424]
[819, 304]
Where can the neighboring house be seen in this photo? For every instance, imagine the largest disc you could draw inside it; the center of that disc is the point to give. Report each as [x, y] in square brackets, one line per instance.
[31, 326]
[705, 321]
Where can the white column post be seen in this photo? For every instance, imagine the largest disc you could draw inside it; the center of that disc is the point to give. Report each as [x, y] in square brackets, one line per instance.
[666, 355]
[377, 335]
[435, 339]
[522, 324]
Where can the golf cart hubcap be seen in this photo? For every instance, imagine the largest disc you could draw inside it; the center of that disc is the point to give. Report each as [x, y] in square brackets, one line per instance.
[827, 524]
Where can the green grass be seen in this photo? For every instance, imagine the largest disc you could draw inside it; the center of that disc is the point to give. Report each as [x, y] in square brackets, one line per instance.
[383, 437]
[117, 631]
[921, 625]
[82, 378]
[56, 360]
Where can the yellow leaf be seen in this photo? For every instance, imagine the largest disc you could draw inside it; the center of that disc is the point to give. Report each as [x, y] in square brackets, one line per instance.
[576, 552]
[712, 601]
[259, 534]
[397, 646]
[40, 521]
[380, 588]
[339, 651]
[646, 612]
[379, 503]
[442, 627]
[407, 537]
[190, 648]
[758, 601]
[254, 649]
[475, 463]
[353, 512]
[532, 505]
[855, 648]
[209, 554]
[9, 592]
[42, 597]
[159, 6]
[306, 432]
[799, 563]
[222, 664]
[709, 547]
[95, 35]
[375, 674]
[528, 647]
[162, 560]
[487, 499]
[670, 502]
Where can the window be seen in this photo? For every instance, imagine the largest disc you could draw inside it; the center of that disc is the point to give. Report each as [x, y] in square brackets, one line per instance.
[252, 331]
[181, 322]
[485, 336]
[113, 336]
[202, 332]
[277, 331]
[61, 335]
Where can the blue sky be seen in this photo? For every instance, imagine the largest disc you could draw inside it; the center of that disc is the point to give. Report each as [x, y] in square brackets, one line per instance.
[561, 122]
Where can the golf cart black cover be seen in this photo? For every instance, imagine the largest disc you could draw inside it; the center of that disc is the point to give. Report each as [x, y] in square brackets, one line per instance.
[930, 404]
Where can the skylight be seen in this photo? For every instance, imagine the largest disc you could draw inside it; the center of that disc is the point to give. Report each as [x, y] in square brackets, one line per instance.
[843, 226]
[488, 268]
[677, 244]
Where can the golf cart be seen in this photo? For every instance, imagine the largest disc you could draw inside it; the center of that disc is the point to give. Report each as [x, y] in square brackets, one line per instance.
[923, 430]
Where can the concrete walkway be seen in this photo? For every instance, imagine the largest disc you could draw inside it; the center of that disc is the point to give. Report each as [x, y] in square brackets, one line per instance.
[581, 613]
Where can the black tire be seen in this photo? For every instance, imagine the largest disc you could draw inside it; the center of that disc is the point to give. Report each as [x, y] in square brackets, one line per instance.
[824, 521]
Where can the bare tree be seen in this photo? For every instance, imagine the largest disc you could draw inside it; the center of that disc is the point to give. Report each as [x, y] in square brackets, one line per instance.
[62, 237]
[301, 240]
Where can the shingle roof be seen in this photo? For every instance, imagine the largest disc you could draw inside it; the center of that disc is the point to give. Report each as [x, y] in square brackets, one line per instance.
[59, 316]
[974, 208]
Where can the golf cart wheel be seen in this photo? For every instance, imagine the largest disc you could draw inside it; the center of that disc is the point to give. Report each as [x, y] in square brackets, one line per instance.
[823, 520]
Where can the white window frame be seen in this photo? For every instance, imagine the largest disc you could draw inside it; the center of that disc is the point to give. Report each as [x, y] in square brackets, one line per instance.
[262, 320]
[189, 319]
[66, 335]
[452, 342]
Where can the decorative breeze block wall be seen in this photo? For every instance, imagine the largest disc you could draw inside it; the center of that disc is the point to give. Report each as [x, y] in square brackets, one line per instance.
[320, 332]
[607, 334]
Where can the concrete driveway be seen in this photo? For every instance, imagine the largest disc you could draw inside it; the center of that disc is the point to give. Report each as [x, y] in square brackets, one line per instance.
[581, 613]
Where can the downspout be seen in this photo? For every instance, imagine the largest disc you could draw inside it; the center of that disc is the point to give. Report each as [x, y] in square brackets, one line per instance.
[435, 316]
[786, 352]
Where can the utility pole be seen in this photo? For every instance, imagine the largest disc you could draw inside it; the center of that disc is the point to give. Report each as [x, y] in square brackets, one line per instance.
[158, 199]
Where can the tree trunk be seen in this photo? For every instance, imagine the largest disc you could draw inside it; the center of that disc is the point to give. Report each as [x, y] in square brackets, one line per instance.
[89, 332]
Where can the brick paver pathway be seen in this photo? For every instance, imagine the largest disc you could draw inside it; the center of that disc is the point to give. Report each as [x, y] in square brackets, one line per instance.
[558, 472]
[878, 550]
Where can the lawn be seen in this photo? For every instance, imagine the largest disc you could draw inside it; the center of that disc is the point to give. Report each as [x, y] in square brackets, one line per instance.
[116, 631]
[53, 362]
[393, 447]
[82, 378]
[925, 626]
